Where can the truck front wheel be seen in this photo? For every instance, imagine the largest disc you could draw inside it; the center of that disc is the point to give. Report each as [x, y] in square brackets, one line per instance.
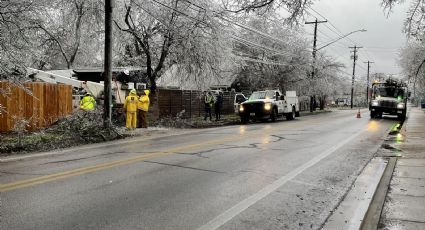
[273, 116]
[402, 116]
[244, 119]
[375, 114]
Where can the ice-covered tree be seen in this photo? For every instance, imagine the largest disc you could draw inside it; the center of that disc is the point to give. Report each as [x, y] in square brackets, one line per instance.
[68, 32]
[271, 54]
[174, 32]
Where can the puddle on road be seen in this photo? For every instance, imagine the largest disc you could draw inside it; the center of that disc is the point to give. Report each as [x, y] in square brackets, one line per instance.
[390, 147]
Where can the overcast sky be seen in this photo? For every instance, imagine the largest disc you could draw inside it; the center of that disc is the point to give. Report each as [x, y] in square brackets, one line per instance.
[381, 42]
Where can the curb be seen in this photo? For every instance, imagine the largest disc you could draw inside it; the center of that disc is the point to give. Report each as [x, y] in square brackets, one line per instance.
[373, 214]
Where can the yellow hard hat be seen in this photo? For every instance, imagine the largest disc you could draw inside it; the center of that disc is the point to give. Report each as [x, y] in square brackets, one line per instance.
[133, 91]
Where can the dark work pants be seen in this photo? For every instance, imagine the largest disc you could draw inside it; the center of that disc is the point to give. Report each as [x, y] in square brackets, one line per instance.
[208, 113]
[142, 119]
[217, 112]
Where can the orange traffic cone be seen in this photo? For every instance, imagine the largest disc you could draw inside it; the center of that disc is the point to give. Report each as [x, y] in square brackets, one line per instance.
[358, 114]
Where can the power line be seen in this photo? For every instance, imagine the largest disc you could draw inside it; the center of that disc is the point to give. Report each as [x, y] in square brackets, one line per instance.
[238, 39]
[275, 51]
[261, 61]
[338, 31]
[242, 40]
[238, 24]
[335, 29]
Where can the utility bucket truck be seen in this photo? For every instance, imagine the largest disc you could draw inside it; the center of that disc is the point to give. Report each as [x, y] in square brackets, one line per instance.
[388, 97]
[269, 104]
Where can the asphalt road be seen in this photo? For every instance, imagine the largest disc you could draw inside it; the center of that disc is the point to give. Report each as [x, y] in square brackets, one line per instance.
[282, 175]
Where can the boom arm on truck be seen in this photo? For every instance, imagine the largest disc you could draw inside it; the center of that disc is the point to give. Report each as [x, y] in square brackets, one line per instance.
[94, 88]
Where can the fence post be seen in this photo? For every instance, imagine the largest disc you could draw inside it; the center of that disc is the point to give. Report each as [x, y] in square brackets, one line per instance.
[190, 105]
[170, 98]
[230, 108]
[181, 100]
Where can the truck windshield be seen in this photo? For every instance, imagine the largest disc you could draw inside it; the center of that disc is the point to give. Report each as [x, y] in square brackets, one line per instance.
[388, 92]
[258, 95]
[262, 95]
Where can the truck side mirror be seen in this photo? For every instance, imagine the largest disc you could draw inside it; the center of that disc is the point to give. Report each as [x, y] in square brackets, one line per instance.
[282, 97]
[240, 99]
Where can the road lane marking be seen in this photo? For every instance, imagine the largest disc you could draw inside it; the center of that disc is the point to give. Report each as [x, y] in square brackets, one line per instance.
[251, 200]
[80, 171]
[84, 170]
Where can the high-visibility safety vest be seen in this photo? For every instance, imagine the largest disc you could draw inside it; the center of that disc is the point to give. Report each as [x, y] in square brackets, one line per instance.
[144, 101]
[87, 102]
[130, 104]
[209, 101]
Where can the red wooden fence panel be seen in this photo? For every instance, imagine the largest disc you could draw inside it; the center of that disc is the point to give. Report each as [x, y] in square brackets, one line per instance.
[39, 103]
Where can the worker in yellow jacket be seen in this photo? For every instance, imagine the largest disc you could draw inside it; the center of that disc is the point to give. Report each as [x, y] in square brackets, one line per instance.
[130, 107]
[88, 102]
[143, 108]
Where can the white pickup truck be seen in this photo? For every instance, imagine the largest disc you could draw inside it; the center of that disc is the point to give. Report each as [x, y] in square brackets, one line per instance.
[269, 104]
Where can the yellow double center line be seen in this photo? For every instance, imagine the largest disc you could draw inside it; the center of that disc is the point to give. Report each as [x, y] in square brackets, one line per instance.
[84, 170]
[75, 172]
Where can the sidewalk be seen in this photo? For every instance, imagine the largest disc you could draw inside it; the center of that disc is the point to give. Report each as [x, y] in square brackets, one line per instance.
[404, 206]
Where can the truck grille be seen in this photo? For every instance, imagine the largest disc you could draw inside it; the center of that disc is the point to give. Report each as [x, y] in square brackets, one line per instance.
[388, 104]
[253, 107]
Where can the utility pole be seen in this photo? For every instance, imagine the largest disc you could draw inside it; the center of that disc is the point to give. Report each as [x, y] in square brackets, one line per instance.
[354, 72]
[367, 83]
[107, 73]
[314, 57]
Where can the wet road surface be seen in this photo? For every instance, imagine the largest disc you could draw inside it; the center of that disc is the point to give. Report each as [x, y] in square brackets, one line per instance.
[283, 175]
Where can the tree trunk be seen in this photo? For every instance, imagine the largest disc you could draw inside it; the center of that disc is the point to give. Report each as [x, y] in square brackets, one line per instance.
[322, 102]
[154, 105]
[313, 104]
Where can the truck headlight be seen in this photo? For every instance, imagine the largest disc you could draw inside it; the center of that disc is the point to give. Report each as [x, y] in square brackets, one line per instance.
[375, 103]
[268, 106]
[241, 109]
[400, 106]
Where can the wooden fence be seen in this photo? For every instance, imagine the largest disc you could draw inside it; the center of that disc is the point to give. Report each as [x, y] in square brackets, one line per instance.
[39, 103]
[188, 103]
